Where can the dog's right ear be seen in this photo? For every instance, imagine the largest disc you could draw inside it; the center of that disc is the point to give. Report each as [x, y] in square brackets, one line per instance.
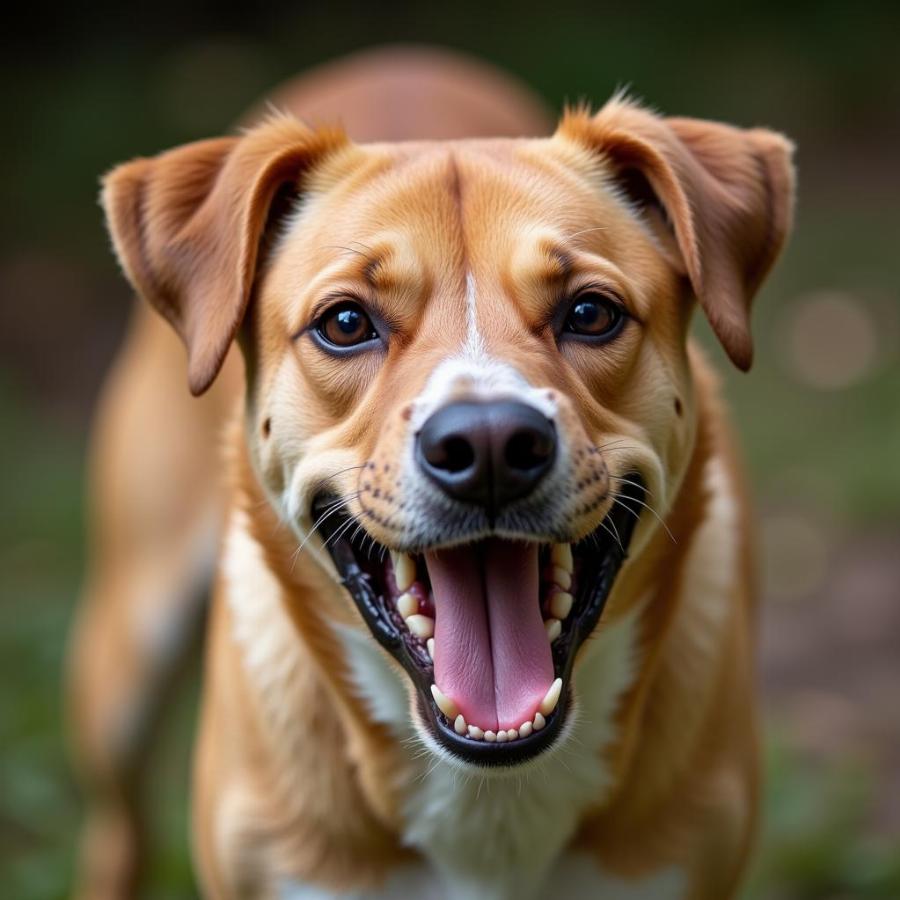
[187, 227]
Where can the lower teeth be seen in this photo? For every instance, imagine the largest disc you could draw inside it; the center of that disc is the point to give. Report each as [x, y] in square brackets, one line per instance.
[449, 709]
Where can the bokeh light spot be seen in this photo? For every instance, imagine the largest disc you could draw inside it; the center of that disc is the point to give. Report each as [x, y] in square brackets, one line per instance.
[830, 340]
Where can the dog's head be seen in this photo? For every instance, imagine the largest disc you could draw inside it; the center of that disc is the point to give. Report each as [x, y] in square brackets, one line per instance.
[467, 365]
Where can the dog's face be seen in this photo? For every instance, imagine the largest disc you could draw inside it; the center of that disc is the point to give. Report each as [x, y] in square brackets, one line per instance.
[467, 368]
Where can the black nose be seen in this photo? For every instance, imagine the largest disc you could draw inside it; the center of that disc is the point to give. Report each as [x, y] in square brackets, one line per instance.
[488, 454]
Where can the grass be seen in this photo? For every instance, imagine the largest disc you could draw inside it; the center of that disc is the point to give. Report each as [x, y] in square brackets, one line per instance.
[814, 844]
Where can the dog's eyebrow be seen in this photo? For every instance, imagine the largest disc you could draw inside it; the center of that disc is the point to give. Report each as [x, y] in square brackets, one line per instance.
[371, 269]
[370, 266]
[560, 264]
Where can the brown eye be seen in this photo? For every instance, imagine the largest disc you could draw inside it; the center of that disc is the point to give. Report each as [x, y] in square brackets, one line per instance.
[346, 325]
[594, 315]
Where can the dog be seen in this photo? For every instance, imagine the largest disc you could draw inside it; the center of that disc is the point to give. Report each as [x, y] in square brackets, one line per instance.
[482, 622]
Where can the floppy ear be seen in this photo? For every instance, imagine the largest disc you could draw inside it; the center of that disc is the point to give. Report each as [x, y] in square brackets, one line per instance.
[187, 227]
[727, 194]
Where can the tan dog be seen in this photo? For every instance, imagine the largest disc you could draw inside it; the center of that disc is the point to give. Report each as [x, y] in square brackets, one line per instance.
[482, 624]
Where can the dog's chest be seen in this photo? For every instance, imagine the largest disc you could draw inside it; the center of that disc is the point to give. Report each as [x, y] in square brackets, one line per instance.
[575, 875]
[499, 835]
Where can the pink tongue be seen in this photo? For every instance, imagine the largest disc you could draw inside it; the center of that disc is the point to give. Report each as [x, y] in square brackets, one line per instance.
[491, 653]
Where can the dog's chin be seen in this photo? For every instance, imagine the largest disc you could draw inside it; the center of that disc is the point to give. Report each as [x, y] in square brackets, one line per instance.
[487, 631]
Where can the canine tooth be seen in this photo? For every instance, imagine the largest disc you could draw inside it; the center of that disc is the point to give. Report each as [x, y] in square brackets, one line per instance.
[502, 737]
[475, 732]
[561, 555]
[553, 627]
[562, 577]
[525, 729]
[459, 726]
[561, 604]
[444, 703]
[420, 626]
[551, 698]
[511, 733]
[539, 722]
[430, 645]
[407, 605]
[490, 737]
[404, 570]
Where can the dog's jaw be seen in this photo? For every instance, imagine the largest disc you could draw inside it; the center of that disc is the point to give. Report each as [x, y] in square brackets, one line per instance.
[488, 646]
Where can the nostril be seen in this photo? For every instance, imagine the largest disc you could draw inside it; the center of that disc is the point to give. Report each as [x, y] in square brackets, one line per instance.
[486, 453]
[527, 449]
[453, 454]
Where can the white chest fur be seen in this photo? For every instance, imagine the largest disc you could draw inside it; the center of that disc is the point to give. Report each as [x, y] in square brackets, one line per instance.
[574, 876]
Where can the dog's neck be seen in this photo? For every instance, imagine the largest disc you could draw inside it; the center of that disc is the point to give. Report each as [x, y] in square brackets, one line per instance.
[500, 826]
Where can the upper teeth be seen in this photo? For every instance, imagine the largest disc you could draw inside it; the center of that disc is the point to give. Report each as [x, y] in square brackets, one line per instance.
[561, 555]
[562, 577]
[404, 570]
[561, 604]
[421, 626]
[407, 605]
[553, 627]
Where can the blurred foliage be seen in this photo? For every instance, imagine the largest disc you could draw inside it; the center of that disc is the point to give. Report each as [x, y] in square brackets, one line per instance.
[85, 87]
[813, 844]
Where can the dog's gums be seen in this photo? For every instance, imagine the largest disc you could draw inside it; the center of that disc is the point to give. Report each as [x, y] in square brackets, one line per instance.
[487, 631]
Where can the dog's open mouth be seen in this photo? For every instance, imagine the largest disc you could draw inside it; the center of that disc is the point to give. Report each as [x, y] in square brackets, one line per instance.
[487, 631]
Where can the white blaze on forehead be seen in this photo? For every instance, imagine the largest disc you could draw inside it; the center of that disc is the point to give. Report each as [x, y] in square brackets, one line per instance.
[474, 341]
[476, 375]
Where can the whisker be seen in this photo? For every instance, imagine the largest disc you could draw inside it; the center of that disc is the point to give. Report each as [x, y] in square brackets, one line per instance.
[371, 547]
[615, 537]
[612, 525]
[616, 499]
[334, 538]
[610, 448]
[348, 250]
[356, 532]
[341, 471]
[330, 510]
[636, 484]
[572, 237]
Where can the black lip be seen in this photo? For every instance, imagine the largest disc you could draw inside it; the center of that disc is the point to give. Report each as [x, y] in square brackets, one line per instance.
[603, 552]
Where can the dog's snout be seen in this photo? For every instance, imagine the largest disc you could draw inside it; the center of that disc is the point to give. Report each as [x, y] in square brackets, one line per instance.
[487, 454]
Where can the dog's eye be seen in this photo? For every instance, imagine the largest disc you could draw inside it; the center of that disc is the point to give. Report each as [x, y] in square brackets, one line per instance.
[346, 325]
[594, 315]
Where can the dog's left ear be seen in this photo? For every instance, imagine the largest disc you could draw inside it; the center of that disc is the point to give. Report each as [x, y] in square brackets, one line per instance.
[727, 194]
[189, 224]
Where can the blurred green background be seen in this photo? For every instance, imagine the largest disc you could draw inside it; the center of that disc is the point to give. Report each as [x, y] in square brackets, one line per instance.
[85, 87]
